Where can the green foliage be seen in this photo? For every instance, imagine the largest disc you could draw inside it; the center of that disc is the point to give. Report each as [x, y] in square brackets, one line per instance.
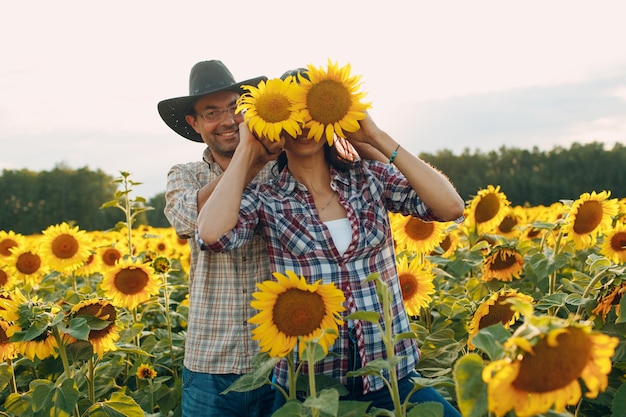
[536, 177]
[30, 201]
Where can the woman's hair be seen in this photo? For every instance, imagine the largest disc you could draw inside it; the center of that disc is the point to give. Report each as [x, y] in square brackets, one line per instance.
[331, 154]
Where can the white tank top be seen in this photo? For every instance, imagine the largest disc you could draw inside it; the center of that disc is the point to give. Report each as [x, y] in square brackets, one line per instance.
[341, 232]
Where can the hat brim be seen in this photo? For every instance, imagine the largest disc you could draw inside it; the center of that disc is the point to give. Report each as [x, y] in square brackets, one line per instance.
[173, 110]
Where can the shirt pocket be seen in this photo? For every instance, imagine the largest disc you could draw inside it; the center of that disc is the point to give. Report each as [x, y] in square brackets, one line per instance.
[373, 225]
[294, 235]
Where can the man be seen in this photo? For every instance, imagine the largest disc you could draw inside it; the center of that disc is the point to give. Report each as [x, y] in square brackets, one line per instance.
[219, 348]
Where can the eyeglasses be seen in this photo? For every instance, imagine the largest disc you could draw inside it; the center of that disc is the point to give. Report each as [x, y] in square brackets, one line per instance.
[213, 115]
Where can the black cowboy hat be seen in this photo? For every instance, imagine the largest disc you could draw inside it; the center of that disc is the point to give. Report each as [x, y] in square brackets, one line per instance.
[206, 77]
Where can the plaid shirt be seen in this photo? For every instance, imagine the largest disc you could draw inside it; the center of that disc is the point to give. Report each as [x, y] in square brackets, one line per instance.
[298, 241]
[220, 284]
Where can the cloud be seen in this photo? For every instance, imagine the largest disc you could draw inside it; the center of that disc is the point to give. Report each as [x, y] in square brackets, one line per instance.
[542, 116]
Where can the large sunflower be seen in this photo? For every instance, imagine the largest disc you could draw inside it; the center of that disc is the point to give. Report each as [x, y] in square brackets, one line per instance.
[614, 244]
[487, 209]
[590, 216]
[102, 340]
[496, 309]
[270, 108]
[416, 235]
[26, 265]
[331, 100]
[544, 373]
[292, 310]
[416, 281]
[503, 263]
[64, 248]
[130, 283]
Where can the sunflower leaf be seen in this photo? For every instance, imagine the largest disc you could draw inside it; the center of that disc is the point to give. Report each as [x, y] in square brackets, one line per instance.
[370, 316]
[491, 340]
[471, 390]
[327, 402]
[426, 409]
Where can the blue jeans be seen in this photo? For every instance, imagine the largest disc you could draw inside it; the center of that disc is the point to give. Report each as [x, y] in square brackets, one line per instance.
[202, 398]
[382, 399]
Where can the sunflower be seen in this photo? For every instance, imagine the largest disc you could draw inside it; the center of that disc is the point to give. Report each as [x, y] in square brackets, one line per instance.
[109, 255]
[331, 101]
[292, 310]
[8, 349]
[270, 108]
[64, 248]
[416, 235]
[503, 263]
[102, 339]
[25, 264]
[130, 283]
[590, 216]
[487, 209]
[614, 244]
[496, 309]
[544, 372]
[146, 371]
[510, 226]
[416, 281]
[32, 324]
[9, 240]
[612, 298]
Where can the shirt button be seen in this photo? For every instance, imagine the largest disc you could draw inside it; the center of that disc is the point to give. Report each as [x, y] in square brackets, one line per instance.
[244, 258]
[245, 323]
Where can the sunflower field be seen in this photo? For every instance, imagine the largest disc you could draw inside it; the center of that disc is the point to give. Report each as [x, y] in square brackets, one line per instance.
[517, 311]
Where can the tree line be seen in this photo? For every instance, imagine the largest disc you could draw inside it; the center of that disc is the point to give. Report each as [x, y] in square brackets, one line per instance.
[31, 201]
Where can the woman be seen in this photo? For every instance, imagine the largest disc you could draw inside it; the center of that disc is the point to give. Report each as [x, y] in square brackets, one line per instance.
[326, 218]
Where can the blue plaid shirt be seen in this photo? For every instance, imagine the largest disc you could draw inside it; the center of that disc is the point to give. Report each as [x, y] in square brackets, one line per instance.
[298, 240]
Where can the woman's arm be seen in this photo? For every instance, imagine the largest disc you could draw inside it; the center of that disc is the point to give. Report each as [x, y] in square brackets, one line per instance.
[220, 212]
[433, 188]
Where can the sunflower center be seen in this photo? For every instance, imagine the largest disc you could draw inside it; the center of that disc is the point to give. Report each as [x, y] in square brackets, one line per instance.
[588, 217]
[273, 108]
[618, 242]
[131, 280]
[487, 208]
[3, 337]
[553, 367]
[298, 313]
[110, 256]
[418, 229]
[103, 312]
[507, 224]
[6, 245]
[409, 286]
[64, 246]
[4, 278]
[28, 263]
[500, 312]
[328, 101]
[502, 261]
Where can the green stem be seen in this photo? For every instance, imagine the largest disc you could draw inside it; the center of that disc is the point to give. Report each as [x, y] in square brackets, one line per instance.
[168, 322]
[292, 376]
[91, 382]
[589, 287]
[312, 389]
[389, 346]
[66, 364]
[13, 382]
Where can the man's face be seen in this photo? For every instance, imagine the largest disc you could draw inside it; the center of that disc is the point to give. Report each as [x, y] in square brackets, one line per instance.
[216, 122]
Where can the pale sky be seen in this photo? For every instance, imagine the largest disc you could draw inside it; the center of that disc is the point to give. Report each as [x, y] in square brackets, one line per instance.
[80, 80]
